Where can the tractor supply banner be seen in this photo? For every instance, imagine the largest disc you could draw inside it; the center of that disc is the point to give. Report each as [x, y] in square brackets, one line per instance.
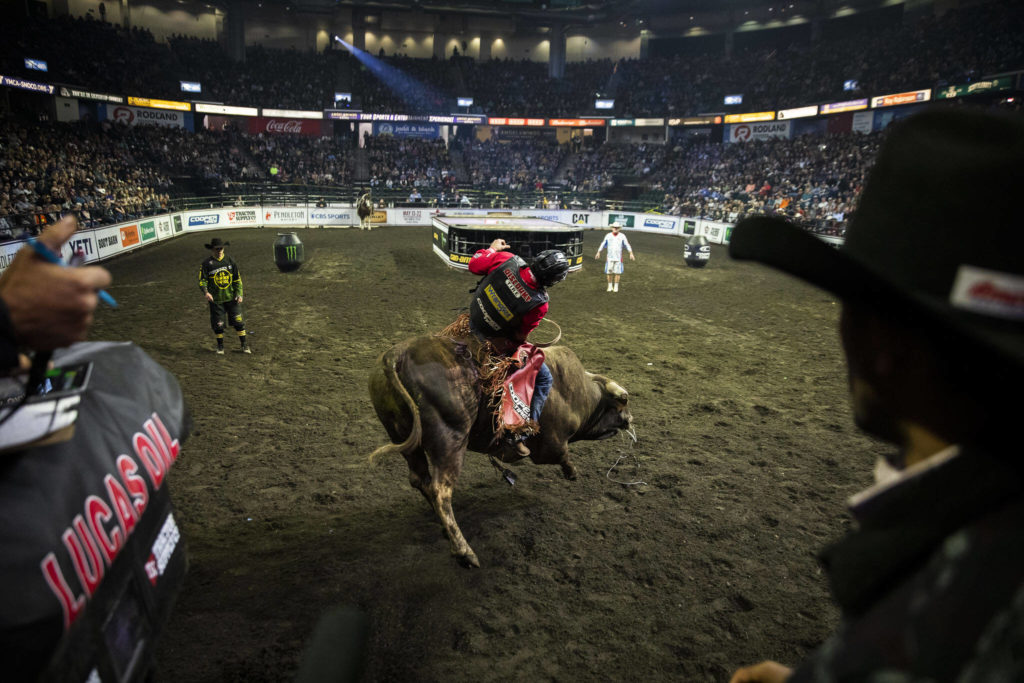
[407, 130]
[84, 517]
[748, 132]
[284, 126]
[242, 217]
[141, 116]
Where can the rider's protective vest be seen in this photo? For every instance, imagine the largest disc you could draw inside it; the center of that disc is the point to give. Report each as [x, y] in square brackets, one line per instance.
[502, 299]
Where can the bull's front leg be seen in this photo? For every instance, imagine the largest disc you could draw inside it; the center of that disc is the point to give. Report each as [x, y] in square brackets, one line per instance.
[552, 451]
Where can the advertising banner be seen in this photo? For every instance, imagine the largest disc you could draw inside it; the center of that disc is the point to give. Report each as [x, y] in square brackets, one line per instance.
[283, 126]
[283, 216]
[863, 122]
[746, 132]
[108, 241]
[990, 85]
[901, 98]
[716, 232]
[242, 216]
[83, 244]
[7, 252]
[147, 230]
[129, 235]
[331, 216]
[407, 130]
[202, 220]
[163, 228]
[626, 220]
[838, 107]
[409, 216]
[176, 219]
[21, 83]
[140, 116]
[379, 216]
[660, 223]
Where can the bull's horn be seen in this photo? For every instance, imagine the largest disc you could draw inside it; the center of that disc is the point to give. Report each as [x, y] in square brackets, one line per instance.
[616, 391]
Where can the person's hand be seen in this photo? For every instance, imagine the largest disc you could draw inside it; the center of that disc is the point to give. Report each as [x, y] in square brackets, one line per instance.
[238, 298]
[765, 672]
[631, 257]
[209, 297]
[500, 245]
[51, 306]
[597, 256]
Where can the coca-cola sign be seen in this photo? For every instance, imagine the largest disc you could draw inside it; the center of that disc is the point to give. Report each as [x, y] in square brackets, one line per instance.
[279, 126]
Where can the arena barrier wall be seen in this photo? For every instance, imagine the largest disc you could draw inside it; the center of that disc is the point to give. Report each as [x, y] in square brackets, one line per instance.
[99, 244]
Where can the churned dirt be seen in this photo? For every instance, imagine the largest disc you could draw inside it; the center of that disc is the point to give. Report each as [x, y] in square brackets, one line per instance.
[746, 454]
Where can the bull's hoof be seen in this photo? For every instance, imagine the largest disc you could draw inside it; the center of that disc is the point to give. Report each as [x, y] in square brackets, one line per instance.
[468, 560]
[569, 471]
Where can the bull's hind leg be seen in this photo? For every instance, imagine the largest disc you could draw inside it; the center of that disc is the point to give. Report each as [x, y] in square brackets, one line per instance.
[441, 491]
[419, 472]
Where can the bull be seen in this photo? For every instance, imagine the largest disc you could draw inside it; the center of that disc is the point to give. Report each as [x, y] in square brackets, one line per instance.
[428, 395]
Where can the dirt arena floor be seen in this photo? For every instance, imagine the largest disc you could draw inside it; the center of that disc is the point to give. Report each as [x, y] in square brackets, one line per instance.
[746, 454]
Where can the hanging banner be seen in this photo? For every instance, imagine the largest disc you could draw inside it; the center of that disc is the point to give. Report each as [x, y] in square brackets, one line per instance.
[140, 116]
[407, 130]
[747, 132]
[275, 126]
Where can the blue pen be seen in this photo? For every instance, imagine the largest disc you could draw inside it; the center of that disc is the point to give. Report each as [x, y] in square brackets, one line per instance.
[44, 253]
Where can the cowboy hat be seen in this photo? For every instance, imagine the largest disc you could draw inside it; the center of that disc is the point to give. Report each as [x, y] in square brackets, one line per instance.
[616, 224]
[937, 237]
[216, 243]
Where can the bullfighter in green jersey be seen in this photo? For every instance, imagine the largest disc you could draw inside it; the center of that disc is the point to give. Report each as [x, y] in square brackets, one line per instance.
[221, 284]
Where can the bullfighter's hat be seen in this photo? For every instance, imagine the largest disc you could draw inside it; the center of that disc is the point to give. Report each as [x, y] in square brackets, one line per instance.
[937, 237]
[216, 243]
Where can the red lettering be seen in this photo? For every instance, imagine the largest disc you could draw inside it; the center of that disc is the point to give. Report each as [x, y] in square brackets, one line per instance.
[126, 516]
[989, 290]
[133, 482]
[158, 432]
[71, 604]
[99, 513]
[84, 555]
[150, 457]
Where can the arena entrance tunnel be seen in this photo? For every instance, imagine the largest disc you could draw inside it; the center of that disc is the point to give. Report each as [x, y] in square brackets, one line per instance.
[457, 238]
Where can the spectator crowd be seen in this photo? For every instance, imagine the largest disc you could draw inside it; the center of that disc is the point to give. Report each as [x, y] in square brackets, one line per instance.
[959, 46]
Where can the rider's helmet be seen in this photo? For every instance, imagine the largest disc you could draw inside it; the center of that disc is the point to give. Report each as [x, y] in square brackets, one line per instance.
[550, 267]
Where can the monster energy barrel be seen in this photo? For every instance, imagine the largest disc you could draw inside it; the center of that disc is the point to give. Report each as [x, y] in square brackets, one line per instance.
[288, 252]
[697, 251]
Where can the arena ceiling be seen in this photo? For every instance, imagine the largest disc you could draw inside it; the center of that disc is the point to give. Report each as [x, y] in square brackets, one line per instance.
[629, 12]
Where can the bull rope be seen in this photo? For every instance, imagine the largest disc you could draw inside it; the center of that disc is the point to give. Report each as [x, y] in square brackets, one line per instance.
[636, 463]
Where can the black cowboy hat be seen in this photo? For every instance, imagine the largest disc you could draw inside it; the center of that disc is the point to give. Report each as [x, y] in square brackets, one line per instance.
[937, 237]
[216, 243]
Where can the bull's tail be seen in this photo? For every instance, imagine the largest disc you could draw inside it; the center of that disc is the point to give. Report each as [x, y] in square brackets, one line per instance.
[415, 437]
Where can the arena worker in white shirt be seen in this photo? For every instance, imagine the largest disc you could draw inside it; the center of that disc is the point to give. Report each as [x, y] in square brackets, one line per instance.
[614, 241]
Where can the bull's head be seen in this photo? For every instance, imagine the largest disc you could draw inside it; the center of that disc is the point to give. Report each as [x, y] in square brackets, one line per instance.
[613, 412]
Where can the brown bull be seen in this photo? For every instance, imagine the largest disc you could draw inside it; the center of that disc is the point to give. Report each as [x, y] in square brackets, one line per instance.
[427, 393]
